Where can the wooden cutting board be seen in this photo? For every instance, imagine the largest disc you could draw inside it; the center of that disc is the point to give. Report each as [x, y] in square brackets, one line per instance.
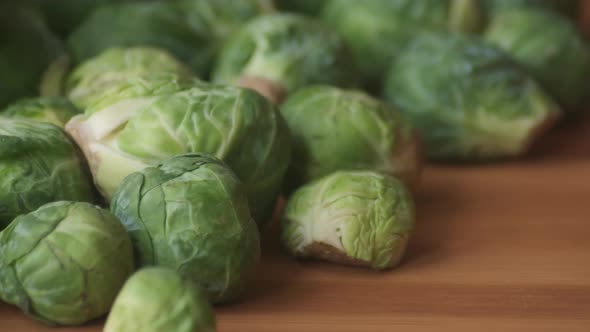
[499, 247]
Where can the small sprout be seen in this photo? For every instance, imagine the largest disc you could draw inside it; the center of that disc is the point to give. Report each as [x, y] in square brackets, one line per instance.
[358, 218]
[334, 129]
[158, 299]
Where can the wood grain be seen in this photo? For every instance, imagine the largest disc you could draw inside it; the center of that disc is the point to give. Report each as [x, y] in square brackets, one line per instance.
[499, 247]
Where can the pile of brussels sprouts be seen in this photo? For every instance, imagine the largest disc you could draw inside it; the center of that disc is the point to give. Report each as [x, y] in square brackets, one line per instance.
[145, 144]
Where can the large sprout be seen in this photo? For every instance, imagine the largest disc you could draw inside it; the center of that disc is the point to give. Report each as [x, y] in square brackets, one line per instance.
[334, 129]
[377, 30]
[277, 54]
[135, 126]
[38, 165]
[27, 51]
[191, 30]
[64, 263]
[355, 217]
[191, 213]
[158, 299]
[55, 110]
[470, 101]
[550, 47]
[95, 76]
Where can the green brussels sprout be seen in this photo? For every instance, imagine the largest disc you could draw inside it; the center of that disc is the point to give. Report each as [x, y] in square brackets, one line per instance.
[471, 101]
[158, 299]
[65, 262]
[277, 54]
[38, 164]
[377, 30]
[95, 76]
[494, 7]
[135, 127]
[309, 7]
[334, 129]
[55, 110]
[27, 50]
[550, 47]
[357, 218]
[191, 213]
[191, 30]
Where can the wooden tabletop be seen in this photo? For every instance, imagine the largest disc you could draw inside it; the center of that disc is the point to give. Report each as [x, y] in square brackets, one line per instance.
[499, 247]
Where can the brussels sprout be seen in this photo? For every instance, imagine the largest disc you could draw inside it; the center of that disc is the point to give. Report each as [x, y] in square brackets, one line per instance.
[191, 213]
[38, 165]
[358, 218]
[494, 7]
[550, 47]
[276, 54]
[309, 7]
[65, 262]
[158, 299]
[133, 127]
[27, 49]
[95, 76]
[334, 129]
[191, 30]
[55, 110]
[377, 30]
[470, 101]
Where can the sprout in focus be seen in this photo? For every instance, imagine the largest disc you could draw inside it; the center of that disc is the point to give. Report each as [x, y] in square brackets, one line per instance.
[357, 218]
[27, 50]
[135, 127]
[277, 54]
[334, 129]
[550, 47]
[158, 299]
[470, 101]
[97, 75]
[38, 164]
[377, 30]
[191, 213]
[64, 263]
[55, 110]
[191, 30]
